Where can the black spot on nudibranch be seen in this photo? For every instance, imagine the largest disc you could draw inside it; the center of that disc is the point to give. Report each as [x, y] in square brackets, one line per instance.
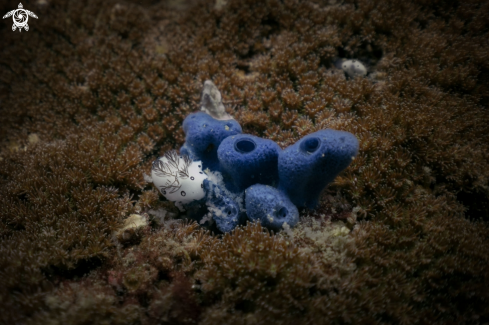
[202, 185]
[200, 166]
[183, 193]
[200, 172]
[192, 178]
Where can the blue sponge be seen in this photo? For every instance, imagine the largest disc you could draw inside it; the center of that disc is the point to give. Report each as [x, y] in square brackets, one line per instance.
[249, 163]
[306, 167]
[270, 206]
[204, 134]
[224, 210]
[246, 160]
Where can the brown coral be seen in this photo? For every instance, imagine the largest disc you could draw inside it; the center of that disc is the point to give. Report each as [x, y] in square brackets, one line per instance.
[255, 272]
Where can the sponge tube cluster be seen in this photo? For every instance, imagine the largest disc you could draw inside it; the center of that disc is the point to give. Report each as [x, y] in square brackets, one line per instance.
[275, 182]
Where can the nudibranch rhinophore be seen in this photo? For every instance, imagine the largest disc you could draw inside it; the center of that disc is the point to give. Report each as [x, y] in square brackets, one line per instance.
[272, 182]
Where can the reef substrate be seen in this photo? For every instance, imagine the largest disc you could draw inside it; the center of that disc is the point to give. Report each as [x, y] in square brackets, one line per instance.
[96, 90]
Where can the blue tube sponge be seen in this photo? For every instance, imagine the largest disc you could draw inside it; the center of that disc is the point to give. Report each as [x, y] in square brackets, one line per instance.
[224, 210]
[269, 205]
[203, 135]
[306, 167]
[246, 160]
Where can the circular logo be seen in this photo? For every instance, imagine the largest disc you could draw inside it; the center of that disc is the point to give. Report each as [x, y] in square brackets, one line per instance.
[20, 18]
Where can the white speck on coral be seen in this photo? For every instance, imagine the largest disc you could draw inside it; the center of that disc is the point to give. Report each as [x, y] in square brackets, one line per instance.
[147, 178]
[207, 218]
[180, 206]
[288, 230]
[216, 177]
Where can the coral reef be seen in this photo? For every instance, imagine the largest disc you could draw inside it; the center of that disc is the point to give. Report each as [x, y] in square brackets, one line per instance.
[97, 90]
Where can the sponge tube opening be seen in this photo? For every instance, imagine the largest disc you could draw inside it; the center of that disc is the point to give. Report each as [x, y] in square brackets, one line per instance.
[310, 145]
[245, 145]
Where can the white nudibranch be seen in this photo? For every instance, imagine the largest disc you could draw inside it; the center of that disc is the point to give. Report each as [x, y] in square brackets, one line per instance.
[354, 68]
[178, 178]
